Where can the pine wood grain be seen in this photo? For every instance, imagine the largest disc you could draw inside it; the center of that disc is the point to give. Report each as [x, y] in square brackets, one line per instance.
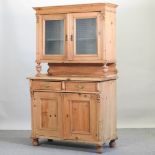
[76, 99]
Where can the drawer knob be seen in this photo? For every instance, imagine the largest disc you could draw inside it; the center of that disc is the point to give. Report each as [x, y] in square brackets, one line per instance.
[76, 138]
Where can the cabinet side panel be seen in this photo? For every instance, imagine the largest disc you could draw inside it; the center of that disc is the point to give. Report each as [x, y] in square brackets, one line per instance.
[39, 40]
[109, 33]
[109, 110]
[33, 112]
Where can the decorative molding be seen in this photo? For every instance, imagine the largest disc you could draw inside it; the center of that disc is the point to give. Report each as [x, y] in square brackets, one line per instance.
[102, 15]
[105, 67]
[38, 69]
[37, 18]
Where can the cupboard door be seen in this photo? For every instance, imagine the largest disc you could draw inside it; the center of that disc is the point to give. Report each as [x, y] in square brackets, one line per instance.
[85, 36]
[48, 114]
[53, 37]
[80, 117]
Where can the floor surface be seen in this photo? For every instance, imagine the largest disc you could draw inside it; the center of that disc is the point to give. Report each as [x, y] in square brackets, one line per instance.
[130, 142]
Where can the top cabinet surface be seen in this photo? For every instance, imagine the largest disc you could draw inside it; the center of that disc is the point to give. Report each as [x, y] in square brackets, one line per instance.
[76, 33]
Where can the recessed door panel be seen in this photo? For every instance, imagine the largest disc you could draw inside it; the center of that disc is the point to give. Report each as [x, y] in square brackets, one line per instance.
[80, 117]
[48, 114]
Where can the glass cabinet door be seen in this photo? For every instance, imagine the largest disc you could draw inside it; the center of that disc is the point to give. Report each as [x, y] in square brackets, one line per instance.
[85, 33]
[69, 37]
[86, 39]
[53, 37]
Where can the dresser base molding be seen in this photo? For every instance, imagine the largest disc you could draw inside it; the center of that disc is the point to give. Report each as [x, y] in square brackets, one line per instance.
[99, 145]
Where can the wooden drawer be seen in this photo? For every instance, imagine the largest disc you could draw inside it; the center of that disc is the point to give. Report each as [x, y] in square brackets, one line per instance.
[46, 85]
[81, 86]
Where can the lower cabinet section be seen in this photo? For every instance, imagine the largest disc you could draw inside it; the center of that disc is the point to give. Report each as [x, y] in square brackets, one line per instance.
[68, 116]
[78, 116]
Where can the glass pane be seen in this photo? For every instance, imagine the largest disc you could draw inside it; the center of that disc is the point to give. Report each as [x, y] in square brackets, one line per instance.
[86, 36]
[54, 37]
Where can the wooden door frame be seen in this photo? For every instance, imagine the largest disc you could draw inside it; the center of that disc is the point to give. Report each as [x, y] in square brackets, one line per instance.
[48, 95]
[41, 41]
[68, 135]
[86, 57]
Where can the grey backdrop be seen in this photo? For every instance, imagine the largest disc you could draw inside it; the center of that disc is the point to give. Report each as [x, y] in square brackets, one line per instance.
[135, 60]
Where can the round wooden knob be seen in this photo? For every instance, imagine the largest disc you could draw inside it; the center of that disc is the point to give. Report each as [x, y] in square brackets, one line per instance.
[76, 138]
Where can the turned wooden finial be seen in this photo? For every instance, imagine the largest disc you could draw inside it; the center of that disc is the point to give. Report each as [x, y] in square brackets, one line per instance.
[38, 69]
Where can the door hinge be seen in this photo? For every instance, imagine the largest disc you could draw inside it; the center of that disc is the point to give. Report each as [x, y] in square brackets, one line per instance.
[66, 37]
[72, 38]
